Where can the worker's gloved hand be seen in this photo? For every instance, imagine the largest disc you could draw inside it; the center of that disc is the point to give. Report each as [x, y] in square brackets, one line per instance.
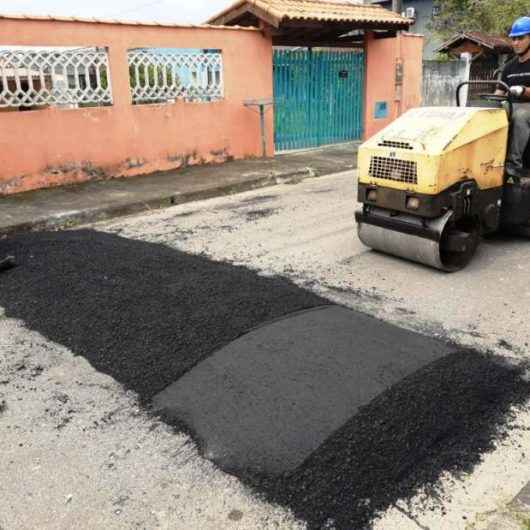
[517, 91]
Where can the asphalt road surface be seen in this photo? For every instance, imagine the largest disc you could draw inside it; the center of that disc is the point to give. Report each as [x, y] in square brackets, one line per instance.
[302, 378]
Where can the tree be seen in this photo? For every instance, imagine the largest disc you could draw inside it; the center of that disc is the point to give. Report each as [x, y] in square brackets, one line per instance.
[488, 16]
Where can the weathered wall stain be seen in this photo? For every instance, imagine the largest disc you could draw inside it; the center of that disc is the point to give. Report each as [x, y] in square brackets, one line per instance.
[51, 176]
[78, 172]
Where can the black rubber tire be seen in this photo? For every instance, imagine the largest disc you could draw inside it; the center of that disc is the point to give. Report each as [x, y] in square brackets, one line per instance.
[455, 261]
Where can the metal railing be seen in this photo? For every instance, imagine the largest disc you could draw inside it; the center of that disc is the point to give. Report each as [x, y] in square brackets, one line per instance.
[42, 77]
[164, 75]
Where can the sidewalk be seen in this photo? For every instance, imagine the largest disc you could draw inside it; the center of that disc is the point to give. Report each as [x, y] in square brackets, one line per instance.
[94, 201]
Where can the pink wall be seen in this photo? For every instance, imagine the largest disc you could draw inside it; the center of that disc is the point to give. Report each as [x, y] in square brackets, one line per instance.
[382, 56]
[412, 56]
[42, 148]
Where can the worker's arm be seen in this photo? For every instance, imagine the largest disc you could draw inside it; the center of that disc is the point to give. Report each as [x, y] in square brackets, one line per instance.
[501, 91]
[519, 92]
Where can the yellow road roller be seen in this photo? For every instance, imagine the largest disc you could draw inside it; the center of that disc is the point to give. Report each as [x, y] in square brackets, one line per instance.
[432, 183]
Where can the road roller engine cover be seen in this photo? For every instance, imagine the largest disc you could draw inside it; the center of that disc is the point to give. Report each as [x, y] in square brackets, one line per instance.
[432, 182]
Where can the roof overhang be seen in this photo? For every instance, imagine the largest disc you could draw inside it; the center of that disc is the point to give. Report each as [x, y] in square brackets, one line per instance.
[492, 44]
[313, 22]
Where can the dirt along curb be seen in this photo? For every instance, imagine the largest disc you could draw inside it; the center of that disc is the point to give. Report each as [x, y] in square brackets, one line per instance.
[71, 218]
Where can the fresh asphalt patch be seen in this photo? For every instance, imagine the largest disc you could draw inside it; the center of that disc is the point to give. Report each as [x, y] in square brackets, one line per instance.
[259, 199]
[329, 412]
[254, 215]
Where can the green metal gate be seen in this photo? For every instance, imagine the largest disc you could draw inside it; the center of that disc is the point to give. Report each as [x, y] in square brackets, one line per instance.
[318, 97]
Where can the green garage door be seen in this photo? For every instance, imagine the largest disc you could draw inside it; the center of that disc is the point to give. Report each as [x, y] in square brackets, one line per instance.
[318, 97]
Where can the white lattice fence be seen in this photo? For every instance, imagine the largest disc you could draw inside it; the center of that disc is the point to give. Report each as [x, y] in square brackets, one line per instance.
[161, 75]
[64, 77]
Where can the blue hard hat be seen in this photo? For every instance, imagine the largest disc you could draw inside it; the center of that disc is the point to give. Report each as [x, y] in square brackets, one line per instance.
[521, 27]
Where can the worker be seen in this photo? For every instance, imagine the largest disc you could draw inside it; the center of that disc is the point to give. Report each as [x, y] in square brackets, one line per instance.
[516, 75]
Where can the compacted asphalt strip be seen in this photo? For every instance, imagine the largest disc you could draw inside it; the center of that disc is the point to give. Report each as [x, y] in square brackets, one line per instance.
[266, 401]
[151, 316]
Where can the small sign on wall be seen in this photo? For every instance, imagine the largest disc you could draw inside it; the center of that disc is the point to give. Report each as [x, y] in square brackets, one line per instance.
[343, 74]
[381, 110]
[399, 72]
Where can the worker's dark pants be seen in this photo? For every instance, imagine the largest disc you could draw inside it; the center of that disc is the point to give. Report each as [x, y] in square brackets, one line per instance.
[520, 136]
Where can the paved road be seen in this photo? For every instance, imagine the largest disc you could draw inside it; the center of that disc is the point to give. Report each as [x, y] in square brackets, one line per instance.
[133, 472]
[307, 232]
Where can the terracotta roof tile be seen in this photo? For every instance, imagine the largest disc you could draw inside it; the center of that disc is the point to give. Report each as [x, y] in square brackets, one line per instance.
[8, 16]
[323, 10]
[499, 43]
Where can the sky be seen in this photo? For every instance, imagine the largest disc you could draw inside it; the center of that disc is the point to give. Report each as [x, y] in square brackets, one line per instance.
[174, 11]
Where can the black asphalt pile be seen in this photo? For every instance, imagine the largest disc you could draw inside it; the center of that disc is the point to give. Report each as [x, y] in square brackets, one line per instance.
[441, 418]
[141, 312]
[146, 314]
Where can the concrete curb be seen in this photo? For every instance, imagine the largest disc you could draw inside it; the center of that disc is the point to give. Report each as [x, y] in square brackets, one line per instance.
[92, 215]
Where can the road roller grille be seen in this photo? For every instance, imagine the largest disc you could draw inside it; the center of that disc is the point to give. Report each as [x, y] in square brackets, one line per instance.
[393, 169]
